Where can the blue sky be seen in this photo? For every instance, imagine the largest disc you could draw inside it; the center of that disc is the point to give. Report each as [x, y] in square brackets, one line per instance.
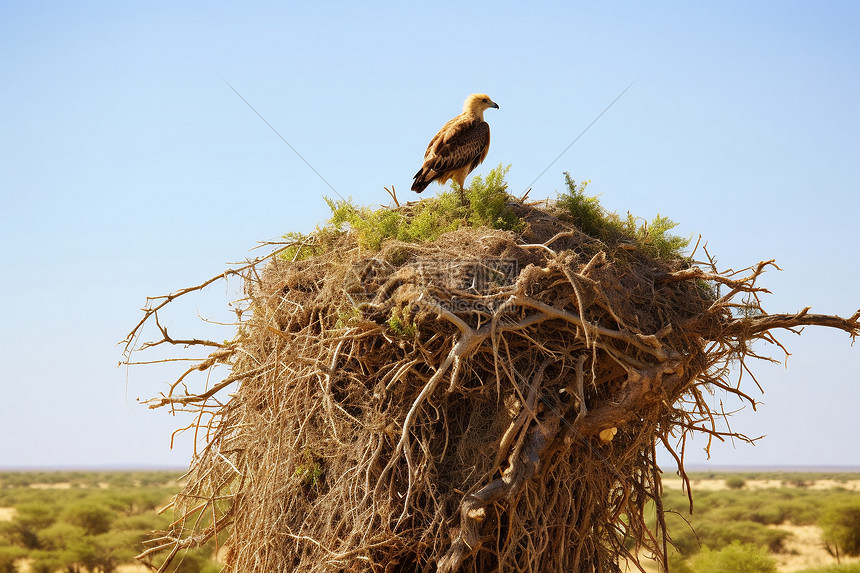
[128, 168]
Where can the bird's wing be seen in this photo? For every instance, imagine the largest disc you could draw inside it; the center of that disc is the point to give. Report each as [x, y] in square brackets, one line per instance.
[458, 144]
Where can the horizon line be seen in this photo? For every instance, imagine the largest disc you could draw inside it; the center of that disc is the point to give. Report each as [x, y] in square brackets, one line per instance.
[697, 467]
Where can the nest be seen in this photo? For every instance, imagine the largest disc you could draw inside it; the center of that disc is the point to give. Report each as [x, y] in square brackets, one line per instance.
[484, 402]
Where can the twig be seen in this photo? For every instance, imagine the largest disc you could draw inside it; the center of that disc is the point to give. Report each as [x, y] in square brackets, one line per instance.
[150, 311]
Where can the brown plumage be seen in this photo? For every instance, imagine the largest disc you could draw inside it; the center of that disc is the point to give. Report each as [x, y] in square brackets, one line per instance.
[460, 146]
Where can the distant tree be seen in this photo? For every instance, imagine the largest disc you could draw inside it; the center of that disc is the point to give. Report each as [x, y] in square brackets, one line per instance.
[44, 561]
[734, 558]
[677, 563]
[841, 527]
[30, 518]
[92, 517]
[114, 548]
[121, 480]
[135, 501]
[735, 483]
[9, 555]
[60, 535]
[195, 561]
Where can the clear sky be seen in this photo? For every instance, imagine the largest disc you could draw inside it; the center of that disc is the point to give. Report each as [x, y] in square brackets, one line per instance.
[128, 168]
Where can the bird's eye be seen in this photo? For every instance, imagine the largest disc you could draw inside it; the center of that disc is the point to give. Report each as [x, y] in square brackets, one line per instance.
[484, 100]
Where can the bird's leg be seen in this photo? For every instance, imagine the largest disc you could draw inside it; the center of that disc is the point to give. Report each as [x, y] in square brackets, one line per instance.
[464, 201]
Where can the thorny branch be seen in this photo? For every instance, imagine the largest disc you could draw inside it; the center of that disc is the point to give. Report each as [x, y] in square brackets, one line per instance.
[157, 303]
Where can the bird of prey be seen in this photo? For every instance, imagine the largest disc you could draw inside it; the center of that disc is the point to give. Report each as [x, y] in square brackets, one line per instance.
[460, 146]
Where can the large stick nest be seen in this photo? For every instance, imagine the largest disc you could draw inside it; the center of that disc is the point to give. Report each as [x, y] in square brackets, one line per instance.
[484, 402]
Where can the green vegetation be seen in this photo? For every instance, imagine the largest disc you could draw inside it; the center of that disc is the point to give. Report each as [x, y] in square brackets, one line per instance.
[311, 470]
[718, 534]
[94, 522]
[302, 247]
[485, 205]
[86, 521]
[741, 523]
[587, 214]
[841, 526]
[401, 325]
[735, 483]
[768, 507]
[737, 558]
[9, 555]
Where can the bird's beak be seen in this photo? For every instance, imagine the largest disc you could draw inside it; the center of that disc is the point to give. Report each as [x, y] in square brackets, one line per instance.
[495, 105]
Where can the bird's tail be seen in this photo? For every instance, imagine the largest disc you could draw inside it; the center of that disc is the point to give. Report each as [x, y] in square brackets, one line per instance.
[422, 179]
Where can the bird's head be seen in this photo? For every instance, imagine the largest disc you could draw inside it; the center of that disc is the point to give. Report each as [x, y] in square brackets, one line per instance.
[475, 104]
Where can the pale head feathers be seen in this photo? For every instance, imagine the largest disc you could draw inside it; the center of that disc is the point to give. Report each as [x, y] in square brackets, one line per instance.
[475, 105]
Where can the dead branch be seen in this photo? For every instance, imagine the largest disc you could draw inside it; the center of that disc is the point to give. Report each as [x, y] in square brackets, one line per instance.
[155, 304]
[524, 464]
[762, 324]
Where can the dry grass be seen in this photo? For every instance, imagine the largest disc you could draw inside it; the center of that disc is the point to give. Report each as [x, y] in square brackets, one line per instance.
[60, 485]
[758, 484]
[132, 569]
[850, 485]
[805, 550]
[421, 408]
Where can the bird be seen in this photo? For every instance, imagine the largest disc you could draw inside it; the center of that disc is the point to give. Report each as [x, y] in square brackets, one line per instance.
[459, 147]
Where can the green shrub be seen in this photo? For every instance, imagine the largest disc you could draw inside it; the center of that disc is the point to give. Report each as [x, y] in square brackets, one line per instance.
[734, 558]
[92, 517]
[147, 521]
[8, 558]
[60, 535]
[301, 247]
[752, 506]
[735, 483]
[30, 518]
[194, 561]
[841, 528]
[677, 563]
[48, 562]
[114, 548]
[765, 506]
[120, 480]
[131, 501]
[586, 213]
[488, 200]
[484, 203]
[684, 538]
[86, 527]
[401, 325]
[716, 534]
[311, 470]
[485, 206]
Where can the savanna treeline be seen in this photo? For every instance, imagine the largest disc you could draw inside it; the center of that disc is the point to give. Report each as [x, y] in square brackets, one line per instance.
[93, 522]
[86, 522]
